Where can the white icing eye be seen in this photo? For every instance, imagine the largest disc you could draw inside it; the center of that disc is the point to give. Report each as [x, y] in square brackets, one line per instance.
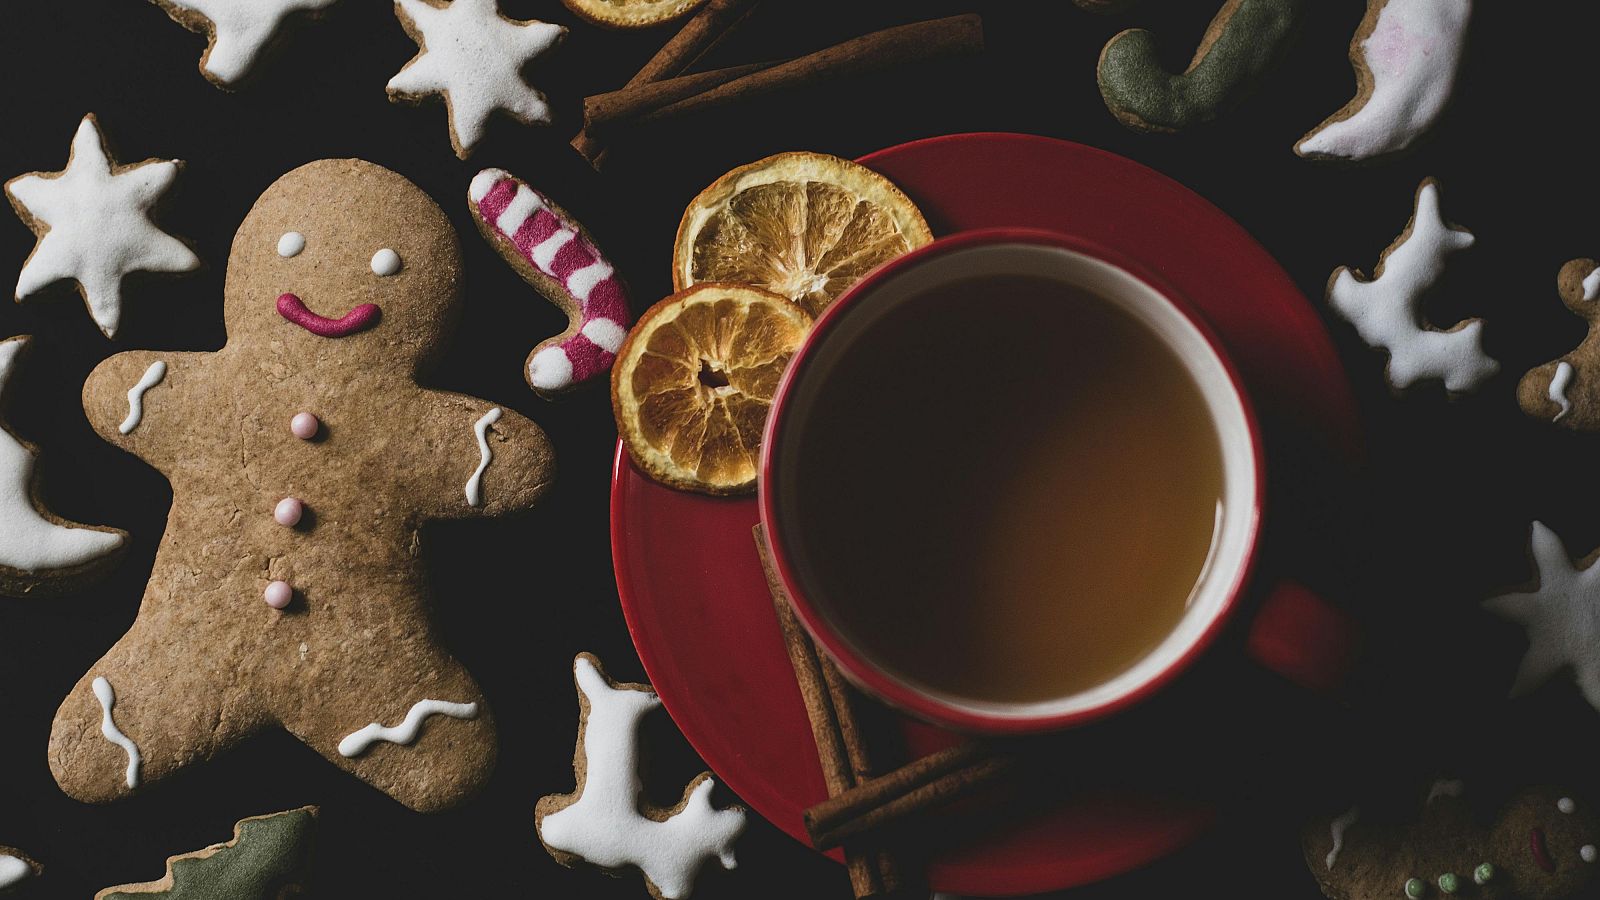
[291, 244]
[385, 262]
[1588, 852]
[1566, 805]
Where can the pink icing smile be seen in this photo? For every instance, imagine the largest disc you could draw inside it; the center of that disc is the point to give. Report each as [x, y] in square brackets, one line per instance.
[363, 316]
[1540, 850]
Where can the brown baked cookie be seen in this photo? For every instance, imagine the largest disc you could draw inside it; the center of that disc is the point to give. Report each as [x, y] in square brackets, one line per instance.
[1541, 846]
[1566, 391]
[605, 822]
[16, 868]
[304, 458]
[40, 552]
[267, 859]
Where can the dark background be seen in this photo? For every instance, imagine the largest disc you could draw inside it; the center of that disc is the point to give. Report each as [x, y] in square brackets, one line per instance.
[1435, 520]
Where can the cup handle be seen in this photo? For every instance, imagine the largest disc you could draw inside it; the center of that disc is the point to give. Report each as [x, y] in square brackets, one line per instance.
[1301, 637]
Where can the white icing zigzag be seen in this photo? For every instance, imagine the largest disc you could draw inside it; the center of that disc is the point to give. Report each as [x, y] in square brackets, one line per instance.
[1338, 827]
[152, 377]
[1385, 309]
[474, 488]
[604, 826]
[356, 743]
[108, 699]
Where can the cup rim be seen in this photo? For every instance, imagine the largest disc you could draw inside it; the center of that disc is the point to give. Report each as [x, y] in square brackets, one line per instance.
[886, 685]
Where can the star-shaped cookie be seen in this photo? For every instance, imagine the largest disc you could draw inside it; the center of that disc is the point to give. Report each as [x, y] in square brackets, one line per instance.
[1562, 616]
[473, 56]
[236, 31]
[93, 223]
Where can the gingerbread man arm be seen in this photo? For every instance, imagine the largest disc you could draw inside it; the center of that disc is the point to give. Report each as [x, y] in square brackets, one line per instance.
[1566, 390]
[134, 396]
[489, 460]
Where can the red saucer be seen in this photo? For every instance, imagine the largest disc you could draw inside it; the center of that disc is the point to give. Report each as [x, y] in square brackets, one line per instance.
[693, 592]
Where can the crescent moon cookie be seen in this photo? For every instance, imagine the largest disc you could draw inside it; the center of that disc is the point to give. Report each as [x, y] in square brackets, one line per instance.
[606, 823]
[1385, 309]
[556, 255]
[1540, 846]
[1243, 41]
[16, 868]
[40, 552]
[268, 858]
[237, 31]
[1566, 391]
[305, 458]
[93, 223]
[473, 56]
[1406, 54]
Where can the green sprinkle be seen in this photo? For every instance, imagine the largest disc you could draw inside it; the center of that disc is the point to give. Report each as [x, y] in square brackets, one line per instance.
[1484, 873]
[1448, 882]
[1416, 888]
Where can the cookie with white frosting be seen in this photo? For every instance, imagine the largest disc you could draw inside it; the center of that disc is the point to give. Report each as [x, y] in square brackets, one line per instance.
[1566, 390]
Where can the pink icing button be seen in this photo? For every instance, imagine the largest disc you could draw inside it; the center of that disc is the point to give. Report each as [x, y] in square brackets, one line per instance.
[304, 425]
[278, 594]
[288, 512]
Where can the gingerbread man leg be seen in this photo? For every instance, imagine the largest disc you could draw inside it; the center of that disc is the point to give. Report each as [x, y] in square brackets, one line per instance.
[427, 745]
[1566, 391]
[117, 731]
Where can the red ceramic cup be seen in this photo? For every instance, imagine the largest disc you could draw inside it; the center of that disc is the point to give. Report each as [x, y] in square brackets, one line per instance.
[1292, 632]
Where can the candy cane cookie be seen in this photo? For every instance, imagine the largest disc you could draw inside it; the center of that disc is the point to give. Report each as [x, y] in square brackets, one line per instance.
[555, 254]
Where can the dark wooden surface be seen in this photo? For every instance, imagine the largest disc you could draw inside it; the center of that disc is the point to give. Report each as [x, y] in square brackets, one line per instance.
[1436, 520]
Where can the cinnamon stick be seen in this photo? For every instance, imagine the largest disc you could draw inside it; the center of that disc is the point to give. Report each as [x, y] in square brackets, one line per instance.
[696, 38]
[878, 51]
[628, 103]
[925, 784]
[840, 749]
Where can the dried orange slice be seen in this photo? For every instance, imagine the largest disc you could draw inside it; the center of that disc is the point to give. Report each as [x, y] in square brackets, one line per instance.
[694, 380]
[630, 13]
[805, 225]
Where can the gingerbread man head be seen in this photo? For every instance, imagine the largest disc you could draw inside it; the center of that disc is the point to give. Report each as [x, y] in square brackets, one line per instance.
[305, 457]
[348, 250]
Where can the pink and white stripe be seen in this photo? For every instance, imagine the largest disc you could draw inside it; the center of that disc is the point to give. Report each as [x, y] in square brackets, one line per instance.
[554, 246]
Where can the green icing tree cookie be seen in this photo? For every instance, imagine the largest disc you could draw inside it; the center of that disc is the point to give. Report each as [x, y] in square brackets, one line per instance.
[267, 860]
[1242, 42]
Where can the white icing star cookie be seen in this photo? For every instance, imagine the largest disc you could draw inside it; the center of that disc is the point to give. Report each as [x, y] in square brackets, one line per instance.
[1562, 616]
[474, 56]
[1385, 309]
[236, 30]
[93, 224]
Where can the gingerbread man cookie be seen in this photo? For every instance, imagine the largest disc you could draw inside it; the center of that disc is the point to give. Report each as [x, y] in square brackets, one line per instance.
[1566, 391]
[304, 457]
[1540, 847]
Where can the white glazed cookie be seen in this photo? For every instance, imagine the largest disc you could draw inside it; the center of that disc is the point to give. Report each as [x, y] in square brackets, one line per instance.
[1406, 54]
[15, 868]
[473, 56]
[93, 223]
[237, 31]
[1561, 614]
[38, 549]
[603, 823]
[1386, 309]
